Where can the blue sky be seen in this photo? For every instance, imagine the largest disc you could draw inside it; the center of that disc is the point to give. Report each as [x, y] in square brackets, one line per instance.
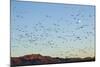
[57, 30]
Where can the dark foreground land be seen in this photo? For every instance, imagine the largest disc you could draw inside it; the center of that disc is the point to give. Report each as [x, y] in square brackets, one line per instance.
[37, 59]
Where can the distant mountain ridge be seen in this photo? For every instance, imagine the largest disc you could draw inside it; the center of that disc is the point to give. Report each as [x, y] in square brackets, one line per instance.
[37, 59]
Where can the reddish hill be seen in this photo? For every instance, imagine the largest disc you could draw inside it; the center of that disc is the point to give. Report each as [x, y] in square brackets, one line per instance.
[37, 59]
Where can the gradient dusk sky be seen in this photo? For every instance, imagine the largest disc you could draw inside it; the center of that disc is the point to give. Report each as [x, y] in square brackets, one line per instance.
[51, 29]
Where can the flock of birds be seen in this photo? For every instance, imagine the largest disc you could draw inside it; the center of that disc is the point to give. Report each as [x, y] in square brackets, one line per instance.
[47, 36]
